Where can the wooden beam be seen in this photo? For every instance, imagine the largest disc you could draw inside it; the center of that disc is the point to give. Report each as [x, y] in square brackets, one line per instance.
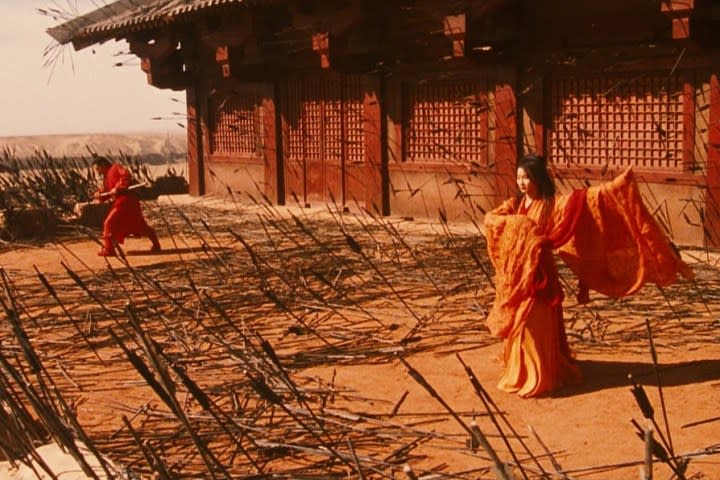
[679, 11]
[229, 31]
[505, 139]
[195, 154]
[270, 151]
[226, 56]
[711, 219]
[454, 29]
[245, 62]
[168, 72]
[372, 127]
[688, 115]
[480, 9]
[160, 46]
[160, 58]
[228, 37]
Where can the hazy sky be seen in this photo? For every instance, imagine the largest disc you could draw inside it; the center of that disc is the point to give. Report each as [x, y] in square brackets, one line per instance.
[85, 93]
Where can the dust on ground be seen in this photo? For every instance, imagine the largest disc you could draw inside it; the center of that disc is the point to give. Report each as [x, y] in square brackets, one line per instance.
[373, 321]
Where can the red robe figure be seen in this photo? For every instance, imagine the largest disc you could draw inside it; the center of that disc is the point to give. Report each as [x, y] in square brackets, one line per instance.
[125, 217]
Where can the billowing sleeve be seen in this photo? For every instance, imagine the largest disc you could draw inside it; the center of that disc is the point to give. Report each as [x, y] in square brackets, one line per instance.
[493, 227]
[514, 245]
[618, 246]
[566, 213]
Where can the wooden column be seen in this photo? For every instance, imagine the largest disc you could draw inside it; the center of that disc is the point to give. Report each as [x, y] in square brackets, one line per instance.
[532, 111]
[688, 150]
[372, 125]
[393, 127]
[196, 172]
[712, 193]
[269, 126]
[505, 141]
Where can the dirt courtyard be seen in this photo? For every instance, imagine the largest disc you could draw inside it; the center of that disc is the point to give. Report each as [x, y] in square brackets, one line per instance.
[366, 317]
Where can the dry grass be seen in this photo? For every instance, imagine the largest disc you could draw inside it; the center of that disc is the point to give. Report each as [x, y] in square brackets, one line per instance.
[259, 313]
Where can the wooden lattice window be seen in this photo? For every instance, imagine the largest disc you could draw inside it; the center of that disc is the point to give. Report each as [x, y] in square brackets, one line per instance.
[326, 119]
[448, 122]
[305, 128]
[235, 123]
[635, 121]
[354, 124]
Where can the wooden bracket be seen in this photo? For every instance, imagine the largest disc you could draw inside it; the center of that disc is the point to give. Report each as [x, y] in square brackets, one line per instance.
[225, 55]
[679, 11]
[454, 29]
[167, 72]
[161, 59]
[321, 45]
[159, 47]
[240, 60]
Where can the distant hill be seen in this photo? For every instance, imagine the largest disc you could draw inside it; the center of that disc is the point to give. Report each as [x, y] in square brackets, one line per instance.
[161, 146]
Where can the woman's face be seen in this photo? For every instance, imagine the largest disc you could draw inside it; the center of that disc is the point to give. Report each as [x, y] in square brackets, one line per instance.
[526, 185]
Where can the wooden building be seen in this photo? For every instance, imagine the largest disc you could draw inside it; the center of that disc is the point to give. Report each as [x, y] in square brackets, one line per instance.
[422, 107]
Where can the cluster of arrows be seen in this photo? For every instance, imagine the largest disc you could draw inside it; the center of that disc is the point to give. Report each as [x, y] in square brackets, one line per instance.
[221, 361]
[43, 181]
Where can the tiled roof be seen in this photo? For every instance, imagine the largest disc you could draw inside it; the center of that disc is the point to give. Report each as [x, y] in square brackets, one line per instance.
[128, 15]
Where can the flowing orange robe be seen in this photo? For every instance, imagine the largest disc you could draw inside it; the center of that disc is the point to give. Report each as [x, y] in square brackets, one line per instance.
[125, 217]
[605, 235]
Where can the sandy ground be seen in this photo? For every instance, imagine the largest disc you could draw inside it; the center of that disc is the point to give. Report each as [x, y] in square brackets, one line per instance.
[59, 462]
[585, 427]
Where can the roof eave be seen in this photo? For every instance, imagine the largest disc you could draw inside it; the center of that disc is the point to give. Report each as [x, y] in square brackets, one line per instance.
[75, 29]
[88, 29]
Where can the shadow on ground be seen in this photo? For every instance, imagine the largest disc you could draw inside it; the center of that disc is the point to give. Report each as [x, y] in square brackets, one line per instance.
[169, 251]
[600, 375]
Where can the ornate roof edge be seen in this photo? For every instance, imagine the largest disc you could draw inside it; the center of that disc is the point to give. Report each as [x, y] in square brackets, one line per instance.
[124, 16]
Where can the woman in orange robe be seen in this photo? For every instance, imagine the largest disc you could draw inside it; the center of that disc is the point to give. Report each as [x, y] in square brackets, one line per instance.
[605, 235]
[125, 217]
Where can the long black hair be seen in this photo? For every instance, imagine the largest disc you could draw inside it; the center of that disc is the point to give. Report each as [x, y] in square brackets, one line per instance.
[101, 161]
[536, 168]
